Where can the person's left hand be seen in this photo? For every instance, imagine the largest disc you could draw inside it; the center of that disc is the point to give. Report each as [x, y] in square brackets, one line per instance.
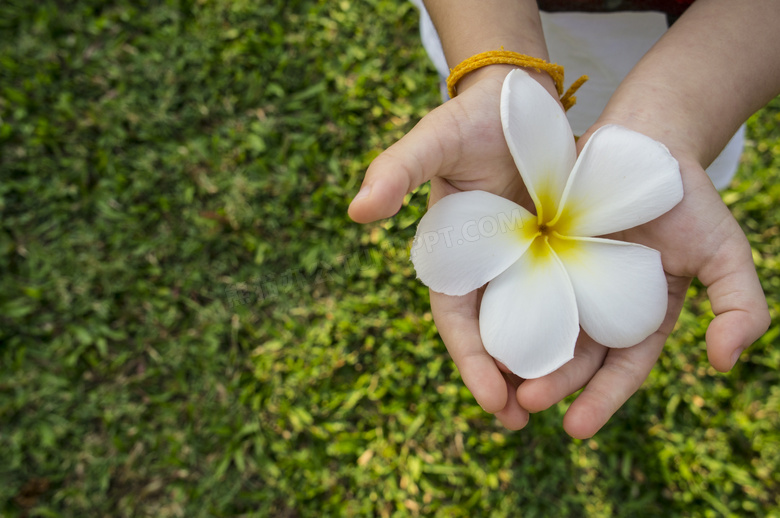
[698, 238]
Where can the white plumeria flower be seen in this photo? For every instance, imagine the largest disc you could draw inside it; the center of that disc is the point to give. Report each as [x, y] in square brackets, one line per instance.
[547, 274]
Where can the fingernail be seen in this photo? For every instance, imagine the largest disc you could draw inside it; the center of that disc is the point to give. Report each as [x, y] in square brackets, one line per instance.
[735, 356]
[364, 192]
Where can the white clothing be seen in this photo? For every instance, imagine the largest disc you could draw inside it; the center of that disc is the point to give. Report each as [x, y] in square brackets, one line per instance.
[605, 46]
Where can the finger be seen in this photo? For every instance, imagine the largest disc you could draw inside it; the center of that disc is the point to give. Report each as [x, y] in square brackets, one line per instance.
[737, 299]
[419, 156]
[458, 324]
[540, 394]
[622, 373]
[512, 416]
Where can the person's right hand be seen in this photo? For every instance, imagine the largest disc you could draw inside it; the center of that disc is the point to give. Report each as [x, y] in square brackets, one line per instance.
[459, 146]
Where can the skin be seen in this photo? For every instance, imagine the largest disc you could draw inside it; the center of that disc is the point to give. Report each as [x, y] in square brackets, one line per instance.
[718, 64]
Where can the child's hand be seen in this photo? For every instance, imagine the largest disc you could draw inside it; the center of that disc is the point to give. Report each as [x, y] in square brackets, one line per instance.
[698, 238]
[458, 146]
[663, 97]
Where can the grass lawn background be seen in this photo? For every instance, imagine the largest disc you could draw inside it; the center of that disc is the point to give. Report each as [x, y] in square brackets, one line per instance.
[191, 326]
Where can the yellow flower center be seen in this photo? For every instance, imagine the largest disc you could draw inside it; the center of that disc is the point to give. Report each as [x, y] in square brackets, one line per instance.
[547, 240]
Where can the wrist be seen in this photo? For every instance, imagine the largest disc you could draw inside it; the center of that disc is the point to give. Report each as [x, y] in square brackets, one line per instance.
[498, 72]
[664, 115]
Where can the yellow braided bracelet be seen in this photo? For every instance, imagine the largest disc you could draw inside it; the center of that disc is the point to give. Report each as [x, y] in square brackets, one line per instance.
[505, 57]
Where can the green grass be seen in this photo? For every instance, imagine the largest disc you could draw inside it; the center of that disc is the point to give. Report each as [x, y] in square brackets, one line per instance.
[191, 326]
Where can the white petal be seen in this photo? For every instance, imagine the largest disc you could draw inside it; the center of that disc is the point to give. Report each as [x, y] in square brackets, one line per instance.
[622, 179]
[528, 317]
[620, 288]
[539, 138]
[467, 239]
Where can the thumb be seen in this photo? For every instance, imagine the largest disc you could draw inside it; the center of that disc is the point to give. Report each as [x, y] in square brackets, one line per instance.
[419, 156]
[737, 299]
